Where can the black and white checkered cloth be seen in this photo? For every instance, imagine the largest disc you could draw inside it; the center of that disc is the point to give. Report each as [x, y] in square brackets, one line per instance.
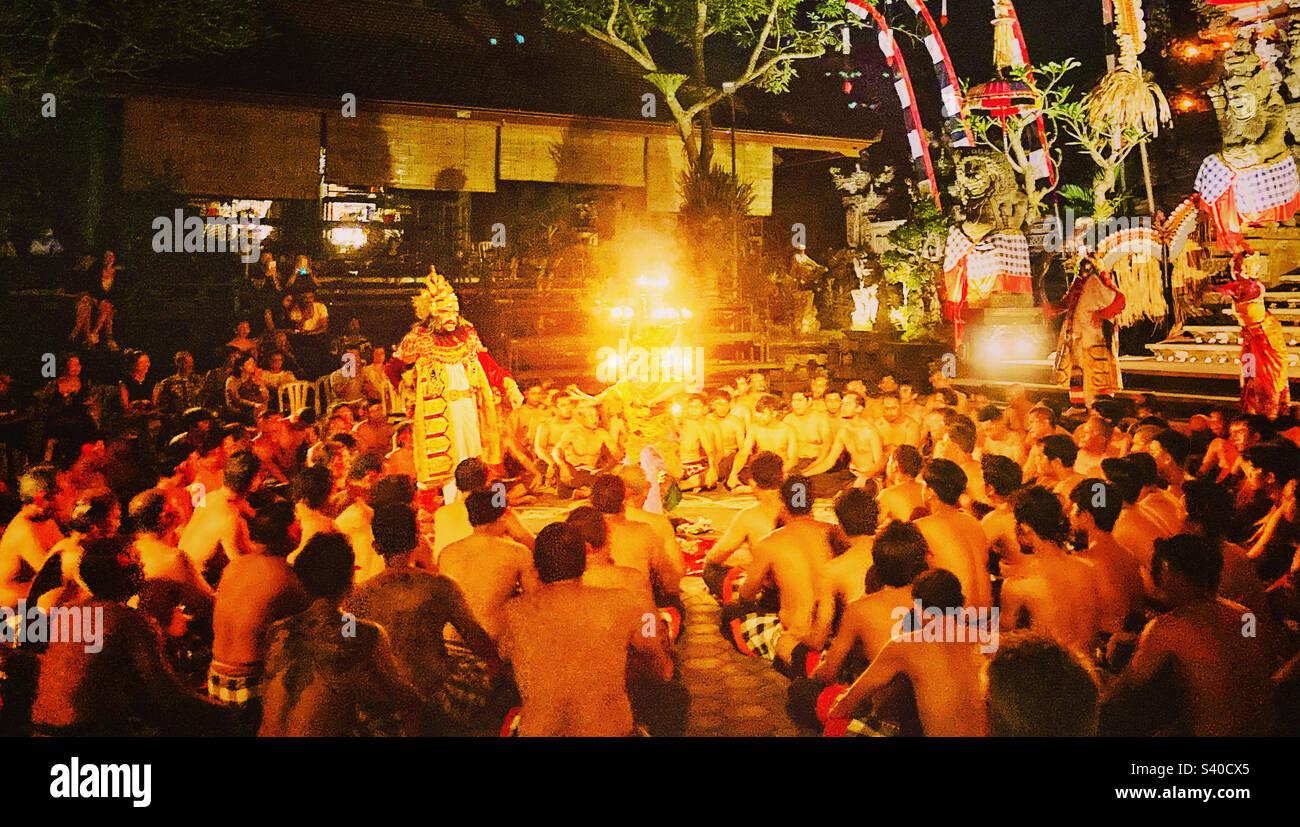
[756, 634]
[1255, 190]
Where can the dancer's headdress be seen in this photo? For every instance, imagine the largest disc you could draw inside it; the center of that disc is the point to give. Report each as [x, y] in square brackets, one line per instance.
[437, 293]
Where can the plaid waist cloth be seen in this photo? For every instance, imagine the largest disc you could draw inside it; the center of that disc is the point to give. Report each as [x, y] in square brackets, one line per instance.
[510, 728]
[974, 270]
[1255, 189]
[233, 690]
[756, 635]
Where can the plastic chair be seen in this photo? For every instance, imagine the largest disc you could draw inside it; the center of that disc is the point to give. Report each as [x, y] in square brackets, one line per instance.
[324, 396]
[293, 396]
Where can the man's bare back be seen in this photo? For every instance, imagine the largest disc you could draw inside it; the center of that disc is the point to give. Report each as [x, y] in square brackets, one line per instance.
[490, 571]
[255, 591]
[568, 644]
[958, 543]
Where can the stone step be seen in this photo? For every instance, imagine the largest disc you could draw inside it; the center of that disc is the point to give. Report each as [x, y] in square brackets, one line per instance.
[1207, 354]
[1229, 334]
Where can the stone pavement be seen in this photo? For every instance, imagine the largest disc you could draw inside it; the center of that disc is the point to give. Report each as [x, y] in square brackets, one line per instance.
[731, 694]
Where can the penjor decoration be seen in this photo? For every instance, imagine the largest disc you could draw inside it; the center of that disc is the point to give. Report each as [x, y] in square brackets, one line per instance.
[455, 414]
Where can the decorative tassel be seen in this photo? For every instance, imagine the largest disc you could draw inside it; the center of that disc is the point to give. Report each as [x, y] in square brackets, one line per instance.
[943, 13]
[1006, 49]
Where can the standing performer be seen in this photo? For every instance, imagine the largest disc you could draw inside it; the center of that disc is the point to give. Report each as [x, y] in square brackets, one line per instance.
[1089, 339]
[455, 415]
[1265, 388]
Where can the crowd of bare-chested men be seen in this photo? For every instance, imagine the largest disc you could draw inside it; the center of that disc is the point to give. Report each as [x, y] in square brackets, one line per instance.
[1003, 569]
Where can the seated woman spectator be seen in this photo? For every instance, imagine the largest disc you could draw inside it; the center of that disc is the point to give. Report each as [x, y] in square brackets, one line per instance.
[275, 373]
[373, 379]
[94, 320]
[242, 341]
[246, 393]
[68, 406]
[135, 387]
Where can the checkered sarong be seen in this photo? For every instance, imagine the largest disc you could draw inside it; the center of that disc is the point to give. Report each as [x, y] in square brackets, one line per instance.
[997, 263]
[1256, 189]
[756, 635]
[859, 728]
[236, 690]
[466, 690]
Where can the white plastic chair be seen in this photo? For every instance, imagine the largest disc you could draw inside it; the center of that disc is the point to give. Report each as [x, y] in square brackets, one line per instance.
[324, 396]
[293, 397]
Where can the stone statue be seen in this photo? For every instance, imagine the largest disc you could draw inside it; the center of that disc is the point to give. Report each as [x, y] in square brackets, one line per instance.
[986, 251]
[1253, 180]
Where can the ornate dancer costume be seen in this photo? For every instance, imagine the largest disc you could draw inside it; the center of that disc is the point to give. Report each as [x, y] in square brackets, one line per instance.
[455, 412]
[1084, 342]
[1265, 387]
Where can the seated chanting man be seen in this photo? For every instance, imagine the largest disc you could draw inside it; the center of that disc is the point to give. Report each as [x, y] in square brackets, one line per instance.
[568, 645]
[793, 560]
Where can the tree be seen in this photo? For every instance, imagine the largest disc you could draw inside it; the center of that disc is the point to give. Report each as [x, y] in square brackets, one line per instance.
[774, 33]
[67, 48]
[1007, 134]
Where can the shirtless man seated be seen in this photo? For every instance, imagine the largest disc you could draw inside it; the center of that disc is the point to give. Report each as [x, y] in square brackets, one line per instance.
[956, 539]
[945, 674]
[893, 427]
[996, 437]
[566, 629]
[352, 678]
[1056, 470]
[1221, 674]
[489, 567]
[812, 430]
[858, 516]
[120, 684]
[1095, 505]
[548, 435]
[218, 531]
[661, 707]
[1045, 588]
[95, 516]
[900, 555]
[171, 580]
[750, 524]
[311, 492]
[583, 451]
[636, 544]
[1037, 688]
[636, 490]
[766, 433]
[256, 590]
[697, 447]
[727, 430]
[857, 436]
[29, 535]
[901, 497]
[451, 521]
[793, 559]
[415, 607]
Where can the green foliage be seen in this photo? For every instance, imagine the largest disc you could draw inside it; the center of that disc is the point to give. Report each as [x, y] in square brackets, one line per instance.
[913, 263]
[68, 47]
[712, 196]
[775, 33]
